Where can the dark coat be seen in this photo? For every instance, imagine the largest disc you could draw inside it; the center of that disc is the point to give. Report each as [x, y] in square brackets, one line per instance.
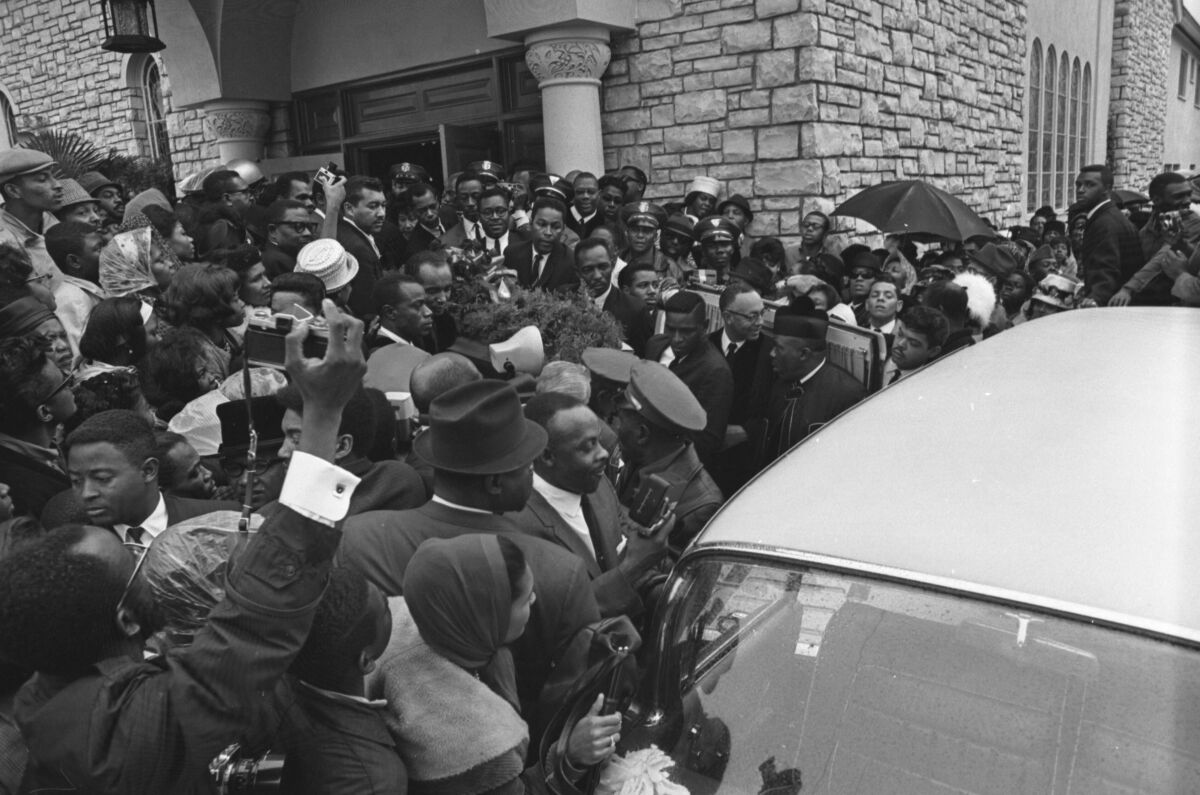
[700, 499]
[380, 544]
[442, 335]
[1111, 253]
[220, 228]
[277, 261]
[383, 486]
[829, 392]
[747, 366]
[362, 293]
[707, 374]
[634, 317]
[558, 273]
[31, 483]
[615, 593]
[135, 726]
[585, 228]
[421, 239]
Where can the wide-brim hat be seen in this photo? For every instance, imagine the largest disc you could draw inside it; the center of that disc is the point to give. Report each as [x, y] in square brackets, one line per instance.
[755, 273]
[73, 193]
[19, 162]
[328, 261]
[704, 185]
[480, 429]
[739, 201]
[643, 214]
[94, 181]
[996, 260]
[716, 227]
[235, 425]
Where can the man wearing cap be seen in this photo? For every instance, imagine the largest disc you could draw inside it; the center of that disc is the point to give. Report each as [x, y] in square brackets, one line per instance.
[574, 505]
[718, 241]
[736, 209]
[31, 193]
[593, 263]
[266, 478]
[400, 176]
[110, 195]
[635, 182]
[490, 172]
[481, 449]
[78, 205]
[684, 348]
[674, 260]
[808, 391]
[610, 370]
[584, 216]
[543, 262]
[700, 201]
[656, 415]
[642, 220]
[332, 264]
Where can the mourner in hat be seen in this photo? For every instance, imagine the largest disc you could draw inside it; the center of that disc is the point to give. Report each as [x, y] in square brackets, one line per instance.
[481, 449]
[736, 209]
[110, 194]
[685, 349]
[332, 264]
[718, 248]
[674, 260]
[30, 193]
[656, 416]
[642, 221]
[490, 172]
[700, 200]
[809, 390]
[78, 205]
[610, 370]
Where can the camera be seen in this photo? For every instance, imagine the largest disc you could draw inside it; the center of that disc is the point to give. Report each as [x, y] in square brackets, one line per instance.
[654, 493]
[265, 346]
[1170, 221]
[326, 175]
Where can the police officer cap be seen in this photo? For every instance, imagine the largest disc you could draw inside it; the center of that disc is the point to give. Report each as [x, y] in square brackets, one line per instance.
[409, 172]
[658, 395]
[609, 363]
[551, 186]
[643, 214]
[19, 162]
[682, 226]
[487, 168]
[717, 228]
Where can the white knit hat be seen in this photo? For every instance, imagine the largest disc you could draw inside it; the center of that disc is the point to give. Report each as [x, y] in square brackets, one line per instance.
[328, 261]
[704, 185]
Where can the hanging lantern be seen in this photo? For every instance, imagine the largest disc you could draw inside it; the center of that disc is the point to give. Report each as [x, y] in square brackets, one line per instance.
[130, 26]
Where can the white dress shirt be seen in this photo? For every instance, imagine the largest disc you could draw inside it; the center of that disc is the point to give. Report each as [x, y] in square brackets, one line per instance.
[153, 525]
[569, 506]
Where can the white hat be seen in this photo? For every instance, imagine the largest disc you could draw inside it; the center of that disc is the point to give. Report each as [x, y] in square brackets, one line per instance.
[328, 261]
[704, 185]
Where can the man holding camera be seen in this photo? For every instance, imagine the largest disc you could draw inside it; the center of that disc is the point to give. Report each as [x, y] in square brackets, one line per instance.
[1168, 240]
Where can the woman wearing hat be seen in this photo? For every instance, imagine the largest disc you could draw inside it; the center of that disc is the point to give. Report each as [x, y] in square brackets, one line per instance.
[449, 679]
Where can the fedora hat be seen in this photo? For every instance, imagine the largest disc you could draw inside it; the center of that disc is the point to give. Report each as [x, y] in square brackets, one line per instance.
[996, 260]
[479, 429]
[329, 262]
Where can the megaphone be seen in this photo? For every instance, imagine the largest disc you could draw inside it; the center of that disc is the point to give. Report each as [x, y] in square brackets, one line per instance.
[523, 352]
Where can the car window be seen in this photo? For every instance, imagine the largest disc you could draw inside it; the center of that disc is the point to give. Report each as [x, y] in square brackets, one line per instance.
[776, 678]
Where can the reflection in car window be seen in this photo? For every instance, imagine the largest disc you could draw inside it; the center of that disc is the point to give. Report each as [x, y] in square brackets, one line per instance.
[782, 678]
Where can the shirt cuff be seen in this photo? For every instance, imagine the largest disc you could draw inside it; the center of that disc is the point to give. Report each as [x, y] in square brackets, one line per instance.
[317, 489]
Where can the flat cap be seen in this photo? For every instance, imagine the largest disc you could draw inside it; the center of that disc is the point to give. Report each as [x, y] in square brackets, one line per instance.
[93, 181]
[658, 395]
[609, 363]
[19, 162]
[716, 227]
[643, 214]
[996, 260]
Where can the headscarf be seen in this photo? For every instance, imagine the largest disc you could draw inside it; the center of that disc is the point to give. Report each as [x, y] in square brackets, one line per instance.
[458, 592]
[23, 316]
[125, 261]
[147, 198]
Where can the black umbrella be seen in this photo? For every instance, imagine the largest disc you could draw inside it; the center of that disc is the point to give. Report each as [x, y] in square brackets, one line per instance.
[912, 207]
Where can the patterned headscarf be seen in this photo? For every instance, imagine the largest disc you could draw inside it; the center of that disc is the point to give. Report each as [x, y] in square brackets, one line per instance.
[125, 261]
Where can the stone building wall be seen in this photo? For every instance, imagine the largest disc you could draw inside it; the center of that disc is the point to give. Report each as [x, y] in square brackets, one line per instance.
[60, 79]
[798, 104]
[1140, 75]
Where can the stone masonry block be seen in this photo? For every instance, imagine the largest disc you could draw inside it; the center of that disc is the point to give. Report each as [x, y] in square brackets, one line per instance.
[625, 120]
[685, 138]
[779, 142]
[747, 37]
[787, 178]
[700, 106]
[620, 97]
[794, 103]
[823, 140]
[662, 116]
[650, 66]
[817, 63]
[773, 8]
[776, 68]
[733, 77]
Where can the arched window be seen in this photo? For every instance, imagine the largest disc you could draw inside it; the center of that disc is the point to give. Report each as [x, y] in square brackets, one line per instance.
[1085, 115]
[1032, 172]
[1047, 181]
[155, 108]
[1060, 155]
[8, 123]
[1073, 141]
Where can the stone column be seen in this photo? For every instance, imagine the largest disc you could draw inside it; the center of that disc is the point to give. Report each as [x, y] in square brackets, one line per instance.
[568, 62]
[240, 127]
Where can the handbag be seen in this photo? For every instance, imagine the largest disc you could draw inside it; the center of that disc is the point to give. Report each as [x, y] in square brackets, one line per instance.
[603, 652]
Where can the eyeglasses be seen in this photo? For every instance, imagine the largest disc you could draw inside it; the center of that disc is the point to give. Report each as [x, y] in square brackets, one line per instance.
[299, 226]
[753, 317]
[235, 468]
[41, 278]
[862, 274]
[68, 380]
[494, 212]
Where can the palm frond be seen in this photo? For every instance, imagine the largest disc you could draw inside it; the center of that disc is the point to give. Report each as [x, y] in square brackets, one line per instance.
[74, 154]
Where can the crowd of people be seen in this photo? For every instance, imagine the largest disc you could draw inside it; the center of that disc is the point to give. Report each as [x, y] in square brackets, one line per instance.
[373, 557]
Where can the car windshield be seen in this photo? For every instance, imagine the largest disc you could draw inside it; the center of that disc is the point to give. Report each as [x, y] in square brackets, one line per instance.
[786, 679]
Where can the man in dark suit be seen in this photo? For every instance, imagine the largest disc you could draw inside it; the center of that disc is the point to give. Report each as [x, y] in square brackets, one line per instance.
[594, 265]
[436, 276]
[685, 349]
[35, 396]
[1111, 252]
[427, 234]
[574, 506]
[584, 216]
[543, 262]
[362, 216]
[468, 192]
[97, 717]
[290, 227]
[110, 458]
[747, 350]
[481, 448]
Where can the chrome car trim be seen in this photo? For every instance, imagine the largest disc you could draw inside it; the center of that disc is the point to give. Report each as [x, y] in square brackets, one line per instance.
[1160, 630]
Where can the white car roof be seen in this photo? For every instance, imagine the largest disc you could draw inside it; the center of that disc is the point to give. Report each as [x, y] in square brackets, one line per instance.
[1057, 463]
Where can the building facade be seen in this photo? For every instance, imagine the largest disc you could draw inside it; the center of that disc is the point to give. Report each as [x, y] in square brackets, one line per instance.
[796, 104]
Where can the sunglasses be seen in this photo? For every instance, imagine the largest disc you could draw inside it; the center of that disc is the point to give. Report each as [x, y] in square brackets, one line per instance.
[862, 275]
[299, 226]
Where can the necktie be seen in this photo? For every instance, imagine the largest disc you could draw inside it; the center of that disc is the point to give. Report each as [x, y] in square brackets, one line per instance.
[135, 534]
[731, 350]
[538, 263]
[593, 525]
[479, 233]
[496, 248]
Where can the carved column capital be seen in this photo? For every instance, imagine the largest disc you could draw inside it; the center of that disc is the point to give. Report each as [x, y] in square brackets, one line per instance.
[567, 58]
[239, 127]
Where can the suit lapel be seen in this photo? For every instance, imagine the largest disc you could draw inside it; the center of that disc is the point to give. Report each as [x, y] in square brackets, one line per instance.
[564, 533]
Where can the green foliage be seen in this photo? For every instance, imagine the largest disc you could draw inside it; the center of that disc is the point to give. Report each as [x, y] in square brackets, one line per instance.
[568, 322]
[74, 154]
[137, 174]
